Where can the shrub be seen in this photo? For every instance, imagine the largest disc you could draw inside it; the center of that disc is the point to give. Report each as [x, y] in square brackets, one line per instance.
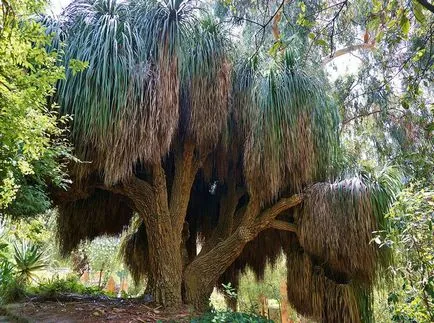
[56, 286]
[29, 259]
[11, 289]
[229, 316]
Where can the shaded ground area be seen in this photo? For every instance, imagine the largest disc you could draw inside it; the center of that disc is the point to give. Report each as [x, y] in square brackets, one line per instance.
[91, 310]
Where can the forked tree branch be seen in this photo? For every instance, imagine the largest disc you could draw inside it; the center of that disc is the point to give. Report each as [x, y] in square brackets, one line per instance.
[360, 116]
[213, 263]
[282, 205]
[252, 223]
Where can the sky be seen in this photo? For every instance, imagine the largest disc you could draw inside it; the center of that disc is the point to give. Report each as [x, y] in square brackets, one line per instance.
[57, 5]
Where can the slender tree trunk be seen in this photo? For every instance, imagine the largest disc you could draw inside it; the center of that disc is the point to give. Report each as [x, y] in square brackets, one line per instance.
[100, 278]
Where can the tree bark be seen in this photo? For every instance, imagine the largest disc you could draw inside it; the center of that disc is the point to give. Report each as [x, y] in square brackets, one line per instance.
[165, 264]
[164, 216]
[164, 242]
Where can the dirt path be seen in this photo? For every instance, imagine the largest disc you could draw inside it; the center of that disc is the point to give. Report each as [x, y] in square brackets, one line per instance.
[87, 311]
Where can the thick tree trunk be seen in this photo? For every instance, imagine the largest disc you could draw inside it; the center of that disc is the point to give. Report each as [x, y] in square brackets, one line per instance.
[164, 216]
[164, 241]
[165, 264]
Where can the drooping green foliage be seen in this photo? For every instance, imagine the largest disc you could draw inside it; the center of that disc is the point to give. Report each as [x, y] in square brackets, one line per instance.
[131, 89]
[293, 135]
[340, 221]
[206, 66]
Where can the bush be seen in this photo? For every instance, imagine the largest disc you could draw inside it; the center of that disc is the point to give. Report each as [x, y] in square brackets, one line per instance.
[229, 316]
[56, 286]
[11, 289]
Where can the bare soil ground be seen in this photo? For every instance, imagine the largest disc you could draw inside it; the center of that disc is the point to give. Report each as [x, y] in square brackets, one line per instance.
[93, 310]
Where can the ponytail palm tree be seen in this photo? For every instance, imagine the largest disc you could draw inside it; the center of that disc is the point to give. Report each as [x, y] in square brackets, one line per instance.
[173, 125]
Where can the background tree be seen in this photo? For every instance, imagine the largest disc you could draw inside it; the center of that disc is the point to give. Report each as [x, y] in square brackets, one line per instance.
[411, 298]
[102, 254]
[172, 123]
[390, 43]
[30, 148]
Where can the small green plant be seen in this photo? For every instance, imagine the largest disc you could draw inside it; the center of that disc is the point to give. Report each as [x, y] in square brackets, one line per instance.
[29, 259]
[229, 291]
[55, 286]
[228, 316]
[11, 289]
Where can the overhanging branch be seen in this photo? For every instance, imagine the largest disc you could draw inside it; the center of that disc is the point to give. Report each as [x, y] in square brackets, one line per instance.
[283, 204]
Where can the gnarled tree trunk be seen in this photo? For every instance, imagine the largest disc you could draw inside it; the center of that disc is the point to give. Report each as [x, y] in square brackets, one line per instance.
[202, 274]
[173, 278]
[164, 221]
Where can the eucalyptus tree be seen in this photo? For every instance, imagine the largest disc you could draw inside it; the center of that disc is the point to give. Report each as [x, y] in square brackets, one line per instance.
[387, 101]
[226, 161]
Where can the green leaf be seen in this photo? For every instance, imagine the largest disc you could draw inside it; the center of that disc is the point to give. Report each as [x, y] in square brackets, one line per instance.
[405, 104]
[405, 24]
[379, 36]
[321, 42]
[430, 127]
[374, 23]
[274, 49]
[419, 54]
